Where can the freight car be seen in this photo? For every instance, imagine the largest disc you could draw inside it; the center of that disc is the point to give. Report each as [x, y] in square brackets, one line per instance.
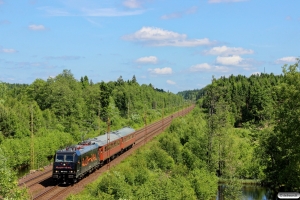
[74, 162]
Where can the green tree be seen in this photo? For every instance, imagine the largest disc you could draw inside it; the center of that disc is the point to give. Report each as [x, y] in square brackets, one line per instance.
[104, 100]
[171, 144]
[84, 81]
[3, 92]
[281, 153]
[204, 183]
[159, 159]
[7, 122]
[133, 80]
[37, 92]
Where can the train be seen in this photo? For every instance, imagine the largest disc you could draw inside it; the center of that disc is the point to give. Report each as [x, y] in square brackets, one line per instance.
[76, 161]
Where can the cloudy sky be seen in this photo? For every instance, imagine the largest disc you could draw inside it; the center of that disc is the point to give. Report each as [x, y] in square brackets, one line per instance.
[174, 45]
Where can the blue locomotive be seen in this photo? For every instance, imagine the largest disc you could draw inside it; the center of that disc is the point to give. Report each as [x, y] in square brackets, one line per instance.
[74, 162]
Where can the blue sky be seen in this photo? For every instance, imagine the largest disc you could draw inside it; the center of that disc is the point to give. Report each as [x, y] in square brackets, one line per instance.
[174, 45]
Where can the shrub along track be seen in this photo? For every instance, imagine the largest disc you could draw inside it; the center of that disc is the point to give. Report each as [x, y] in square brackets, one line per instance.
[44, 188]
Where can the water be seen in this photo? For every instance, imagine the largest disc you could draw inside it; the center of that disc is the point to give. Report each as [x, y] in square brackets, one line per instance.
[249, 192]
[254, 193]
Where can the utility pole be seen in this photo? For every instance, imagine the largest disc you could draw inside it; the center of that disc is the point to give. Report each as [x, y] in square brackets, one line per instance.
[163, 112]
[145, 121]
[128, 109]
[99, 118]
[108, 141]
[32, 141]
[182, 108]
[211, 127]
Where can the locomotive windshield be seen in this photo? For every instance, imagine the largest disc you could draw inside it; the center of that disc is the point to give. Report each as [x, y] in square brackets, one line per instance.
[64, 158]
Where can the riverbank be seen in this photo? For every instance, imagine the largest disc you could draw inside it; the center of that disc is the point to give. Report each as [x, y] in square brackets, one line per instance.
[256, 182]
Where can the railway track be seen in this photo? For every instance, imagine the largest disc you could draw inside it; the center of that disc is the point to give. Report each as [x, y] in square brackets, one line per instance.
[51, 192]
[61, 192]
[36, 179]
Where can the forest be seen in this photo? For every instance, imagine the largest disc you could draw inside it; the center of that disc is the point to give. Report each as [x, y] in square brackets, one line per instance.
[39, 118]
[267, 107]
[242, 128]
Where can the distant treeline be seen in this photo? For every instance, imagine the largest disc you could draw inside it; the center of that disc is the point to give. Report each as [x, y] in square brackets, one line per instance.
[249, 98]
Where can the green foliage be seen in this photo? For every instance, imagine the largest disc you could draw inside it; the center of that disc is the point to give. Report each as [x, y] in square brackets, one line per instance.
[114, 184]
[60, 111]
[104, 100]
[158, 159]
[37, 91]
[161, 186]
[3, 92]
[172, 146]
[8, 185]
[19, 149]
[238, 155]
[159, 169]
[204, 183]
[192, 94]
[266, 105]
[248, 99]
[190, 160]
[7, 121]
[79, 108]
[280, 148]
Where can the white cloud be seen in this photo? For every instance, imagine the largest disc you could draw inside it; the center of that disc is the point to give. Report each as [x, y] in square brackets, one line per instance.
[249, 68]
[171, 16]
[204, 67]
[132, 3]
[36, 27]
[191, 10]
[93, 22]
[158, 37]
[147, 60]
[25, 64]
[230, 60]
[224, 1]
[290, 59]
[180, 14]
[63, 57]
[4, 22]
[108, 12]
[55, 11]
[288, 18]
[221, 69]
[226, 51]
[161, 71]
[152, 33]
[90, 12]
[171, 82]
[8, 50]
[200, 67]
[256, 73]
